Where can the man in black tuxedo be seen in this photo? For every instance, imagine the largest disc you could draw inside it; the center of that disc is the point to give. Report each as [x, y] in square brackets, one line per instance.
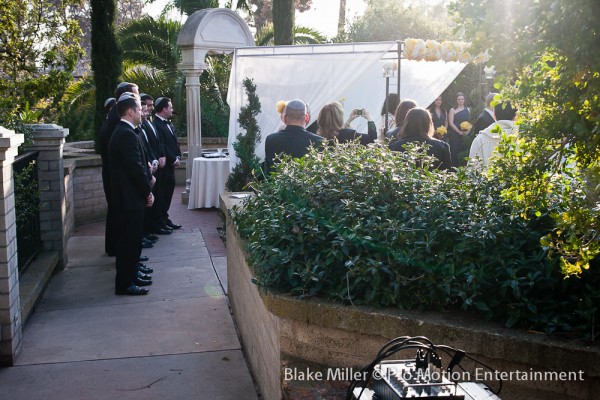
[155, 150]
[294, 139]
[486, 118]
[111, 121]
[163, 112]
[131, 190]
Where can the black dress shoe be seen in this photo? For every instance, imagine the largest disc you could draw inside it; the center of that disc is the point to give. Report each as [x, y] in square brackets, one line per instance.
[143, 277]
[142, 268]
[147, 245]
[141, 282]
[163, 231]
[152, 237]
[132, 290]
[143, 258]
[172, 225]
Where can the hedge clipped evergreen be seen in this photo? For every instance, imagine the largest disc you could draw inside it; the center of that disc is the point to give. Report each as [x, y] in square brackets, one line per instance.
[364, 225]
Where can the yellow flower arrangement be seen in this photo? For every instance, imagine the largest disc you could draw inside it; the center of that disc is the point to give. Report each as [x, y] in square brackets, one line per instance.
[465, 126]
[280, 106]
[441, 130]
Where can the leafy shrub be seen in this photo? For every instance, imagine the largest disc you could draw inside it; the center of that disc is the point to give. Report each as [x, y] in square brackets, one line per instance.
[365, 225]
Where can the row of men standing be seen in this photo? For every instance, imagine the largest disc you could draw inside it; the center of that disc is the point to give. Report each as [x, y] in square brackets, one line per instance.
[139, 156]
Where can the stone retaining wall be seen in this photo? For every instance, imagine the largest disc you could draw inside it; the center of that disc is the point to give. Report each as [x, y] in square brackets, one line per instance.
[89, 203]
[278, 329]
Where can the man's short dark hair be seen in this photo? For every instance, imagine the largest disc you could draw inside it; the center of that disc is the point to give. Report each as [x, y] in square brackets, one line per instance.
[161, 103]
[124, 87]
[504, 111]
[127, 101]
[146, 97]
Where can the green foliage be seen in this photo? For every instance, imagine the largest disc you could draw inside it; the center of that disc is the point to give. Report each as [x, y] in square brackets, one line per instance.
[366, 225]
[248, 169]
[390, 20]
[27, 195]
[548, 58]
[39, 50]
[150, 58]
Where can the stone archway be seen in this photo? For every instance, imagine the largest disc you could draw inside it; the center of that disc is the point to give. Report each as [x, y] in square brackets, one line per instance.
[209, 31]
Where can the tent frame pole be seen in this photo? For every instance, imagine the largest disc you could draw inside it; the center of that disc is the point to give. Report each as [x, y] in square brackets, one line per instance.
[399, 68]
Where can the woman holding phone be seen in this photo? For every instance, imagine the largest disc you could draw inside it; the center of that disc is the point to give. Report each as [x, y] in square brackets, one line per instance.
[332, 126]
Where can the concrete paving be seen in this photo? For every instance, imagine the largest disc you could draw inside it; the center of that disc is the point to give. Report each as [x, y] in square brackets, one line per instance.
[177, 342]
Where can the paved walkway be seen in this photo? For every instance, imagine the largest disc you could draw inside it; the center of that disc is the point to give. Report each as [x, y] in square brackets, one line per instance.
[178, 342]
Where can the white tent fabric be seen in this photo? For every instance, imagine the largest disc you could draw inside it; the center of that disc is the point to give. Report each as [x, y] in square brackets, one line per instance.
[319, 74]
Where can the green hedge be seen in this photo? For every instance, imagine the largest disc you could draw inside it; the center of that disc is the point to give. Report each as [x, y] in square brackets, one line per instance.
[364, 225]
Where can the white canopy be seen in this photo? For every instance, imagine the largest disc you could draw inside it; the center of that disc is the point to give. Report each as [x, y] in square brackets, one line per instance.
[320, 74]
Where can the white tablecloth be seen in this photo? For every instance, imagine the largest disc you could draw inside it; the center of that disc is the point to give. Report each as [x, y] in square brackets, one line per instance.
[209, 176]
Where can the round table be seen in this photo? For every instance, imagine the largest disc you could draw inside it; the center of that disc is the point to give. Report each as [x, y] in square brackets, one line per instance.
[209, 176]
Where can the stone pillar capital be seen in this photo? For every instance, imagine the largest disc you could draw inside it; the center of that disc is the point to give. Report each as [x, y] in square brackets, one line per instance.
[9, 144]
[47, 135]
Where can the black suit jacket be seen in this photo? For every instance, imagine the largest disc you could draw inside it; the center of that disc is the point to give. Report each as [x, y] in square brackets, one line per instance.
[436, 148]
[154, 140]
[169, 140]
[144, 138]
[483, 121]
[292, 140]
[106, 131]
[129, 180]
[348, 135]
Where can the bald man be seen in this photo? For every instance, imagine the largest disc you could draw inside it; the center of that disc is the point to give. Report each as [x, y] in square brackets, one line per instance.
[294, 139]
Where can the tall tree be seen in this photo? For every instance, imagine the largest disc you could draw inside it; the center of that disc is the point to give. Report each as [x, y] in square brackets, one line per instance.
[127, 10]
[106, 55]
[342, 17]
[263, 10]
[283, 22]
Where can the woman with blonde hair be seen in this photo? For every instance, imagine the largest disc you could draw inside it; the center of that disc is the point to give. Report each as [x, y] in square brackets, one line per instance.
[332, 126]
[418, 128]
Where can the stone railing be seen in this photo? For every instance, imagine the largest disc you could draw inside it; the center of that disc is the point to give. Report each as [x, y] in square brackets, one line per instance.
[278, 331]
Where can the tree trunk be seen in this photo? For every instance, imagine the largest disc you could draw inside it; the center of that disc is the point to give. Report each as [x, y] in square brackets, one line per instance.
[106, 56]
[283, 22]
[342, 18]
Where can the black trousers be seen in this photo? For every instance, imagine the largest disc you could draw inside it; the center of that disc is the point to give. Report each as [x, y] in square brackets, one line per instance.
[153, 217]
[130, 230]
[110, 233]
[168, 187]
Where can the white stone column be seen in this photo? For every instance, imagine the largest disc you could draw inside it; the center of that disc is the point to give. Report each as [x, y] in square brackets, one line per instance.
[10, 309]
[194, 118]
[49, 140]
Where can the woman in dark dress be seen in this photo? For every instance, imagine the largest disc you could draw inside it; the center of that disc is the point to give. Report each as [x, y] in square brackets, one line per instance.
[439, 115]
[332, 126]
[456, 135]
[418, 128]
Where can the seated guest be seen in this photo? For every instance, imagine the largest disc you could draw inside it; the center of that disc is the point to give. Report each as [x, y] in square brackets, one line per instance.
[418, 128]
[484, 144]
[332, 126]
[405, 106]
[486, 118]
[294, 139]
